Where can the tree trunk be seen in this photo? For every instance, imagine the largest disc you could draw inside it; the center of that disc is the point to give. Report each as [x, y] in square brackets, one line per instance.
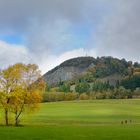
[6, 117]
[16, 121]
[17, 115]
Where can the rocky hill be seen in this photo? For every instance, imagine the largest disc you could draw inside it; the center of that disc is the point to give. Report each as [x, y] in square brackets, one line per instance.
[69, 69]
[90, 68]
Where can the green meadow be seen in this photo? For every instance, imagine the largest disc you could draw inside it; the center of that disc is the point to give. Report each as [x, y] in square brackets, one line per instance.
[79, 120]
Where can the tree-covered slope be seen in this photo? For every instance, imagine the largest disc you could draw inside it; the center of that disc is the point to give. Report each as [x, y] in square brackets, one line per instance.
[89, 68]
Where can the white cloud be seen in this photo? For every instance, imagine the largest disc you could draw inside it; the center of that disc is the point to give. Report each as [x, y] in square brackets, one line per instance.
[12, 53]
[119, 33]
[52, 61]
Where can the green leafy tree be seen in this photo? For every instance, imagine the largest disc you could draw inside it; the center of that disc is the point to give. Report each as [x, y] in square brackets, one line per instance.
[131, 82]
[65, 87]
[83, 87]
[122, 93]
[100, 86]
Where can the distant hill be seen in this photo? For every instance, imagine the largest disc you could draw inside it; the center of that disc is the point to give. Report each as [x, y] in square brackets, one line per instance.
[68, 69]
[102, 68]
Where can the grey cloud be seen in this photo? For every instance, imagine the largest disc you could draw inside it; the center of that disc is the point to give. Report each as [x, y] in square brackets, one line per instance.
[18, 14]
[120, 33]
[38, 20]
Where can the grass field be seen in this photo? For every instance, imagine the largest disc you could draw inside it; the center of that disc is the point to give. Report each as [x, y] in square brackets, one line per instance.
[79, 120]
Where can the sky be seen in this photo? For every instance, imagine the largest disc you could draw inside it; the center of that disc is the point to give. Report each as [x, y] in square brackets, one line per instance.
[48, 32]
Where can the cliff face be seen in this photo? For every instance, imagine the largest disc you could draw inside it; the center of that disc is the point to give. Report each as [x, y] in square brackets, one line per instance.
[68, 69]
[63, 73]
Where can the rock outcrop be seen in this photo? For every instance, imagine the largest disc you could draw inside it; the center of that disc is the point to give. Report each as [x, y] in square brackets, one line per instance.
[68, 69]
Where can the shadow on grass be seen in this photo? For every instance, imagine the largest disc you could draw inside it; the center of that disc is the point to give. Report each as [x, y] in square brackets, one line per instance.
[12, 125]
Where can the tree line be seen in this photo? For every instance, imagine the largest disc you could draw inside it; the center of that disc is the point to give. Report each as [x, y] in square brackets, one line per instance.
[128, 87]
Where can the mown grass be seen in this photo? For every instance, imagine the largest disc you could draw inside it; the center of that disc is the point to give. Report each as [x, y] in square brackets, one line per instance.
[90, 112]
[110, 132]
[79, 120]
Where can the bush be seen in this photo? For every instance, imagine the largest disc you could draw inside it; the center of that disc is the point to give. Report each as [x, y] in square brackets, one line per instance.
[136, 93]
[100, 95]
[53, 97]
[84, 96]
[122, 93]
[49, 97]
[55, 89]
[70, 96]
[109, 94]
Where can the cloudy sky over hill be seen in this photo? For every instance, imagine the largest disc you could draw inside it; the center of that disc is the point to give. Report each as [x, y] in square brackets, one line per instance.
[48, 32]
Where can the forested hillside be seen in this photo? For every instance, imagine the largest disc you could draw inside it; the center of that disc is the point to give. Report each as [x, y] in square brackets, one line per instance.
[100, 78]
[90, 68]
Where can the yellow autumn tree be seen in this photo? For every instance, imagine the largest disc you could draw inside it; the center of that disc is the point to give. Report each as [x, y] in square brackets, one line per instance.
[20, 88]
[8, 83]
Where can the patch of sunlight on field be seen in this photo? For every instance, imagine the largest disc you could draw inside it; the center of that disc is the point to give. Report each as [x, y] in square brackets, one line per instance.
[82, 112]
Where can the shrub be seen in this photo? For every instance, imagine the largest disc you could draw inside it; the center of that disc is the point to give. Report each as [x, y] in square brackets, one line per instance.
[136, 93]
[53, 96]
[100, 95]
[109, 94]
[49, 97]
[70, 96]
[84, 96]
[55, 89]
[122, 93]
